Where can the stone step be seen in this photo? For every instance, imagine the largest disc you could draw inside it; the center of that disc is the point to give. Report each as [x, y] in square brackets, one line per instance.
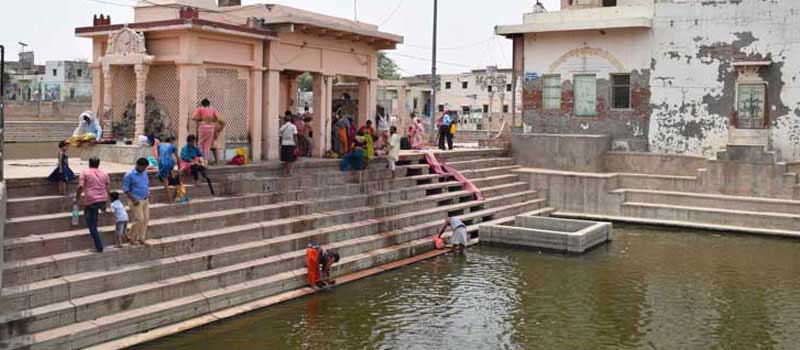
[63, 264]
[310, 173]
[40, 245]
[487, 172]
[42, 205]
[151, 316]
[119, 276]
[675, 223]
[48, 223]
[762, 220]
[659, 182]
[457, 155]
[754, 204]
[115, 301]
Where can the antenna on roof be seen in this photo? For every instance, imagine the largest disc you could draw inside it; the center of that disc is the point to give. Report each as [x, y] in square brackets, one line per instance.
[355, 10]
[22, 45]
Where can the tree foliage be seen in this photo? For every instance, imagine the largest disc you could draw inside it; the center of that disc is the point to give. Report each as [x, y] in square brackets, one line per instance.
[387, 68]
[306, 82]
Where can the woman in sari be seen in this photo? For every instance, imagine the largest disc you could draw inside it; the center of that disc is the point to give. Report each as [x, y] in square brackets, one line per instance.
[208, 126]
[88, 130]
[342, 130]
[416, 132]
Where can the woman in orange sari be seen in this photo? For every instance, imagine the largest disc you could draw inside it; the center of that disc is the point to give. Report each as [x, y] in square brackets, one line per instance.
[208, 127]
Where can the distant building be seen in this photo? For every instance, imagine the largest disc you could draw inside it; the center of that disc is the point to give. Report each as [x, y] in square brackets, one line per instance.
[67, 81]
[481, 98]
[24, 78]
[668, 76]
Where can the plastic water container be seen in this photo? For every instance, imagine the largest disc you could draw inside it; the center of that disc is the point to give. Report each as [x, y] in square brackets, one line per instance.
[75, 214]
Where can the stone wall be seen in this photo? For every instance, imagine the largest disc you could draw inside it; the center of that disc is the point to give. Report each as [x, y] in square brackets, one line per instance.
[653, 163]
[601, 53]
[55, 111]
[694, 83]
[564, 152]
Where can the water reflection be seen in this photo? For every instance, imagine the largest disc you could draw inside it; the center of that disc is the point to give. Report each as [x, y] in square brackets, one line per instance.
[650, 289]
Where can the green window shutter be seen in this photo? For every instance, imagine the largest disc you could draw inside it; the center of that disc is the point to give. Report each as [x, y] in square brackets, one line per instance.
[551, 92]
[585, 95]
[750, 106]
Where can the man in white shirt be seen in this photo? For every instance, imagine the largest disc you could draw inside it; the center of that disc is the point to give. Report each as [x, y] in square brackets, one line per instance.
[288, 134]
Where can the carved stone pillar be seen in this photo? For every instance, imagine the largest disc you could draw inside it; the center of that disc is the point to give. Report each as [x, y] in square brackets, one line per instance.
[322, 104]
[141, 89]
[107, 98]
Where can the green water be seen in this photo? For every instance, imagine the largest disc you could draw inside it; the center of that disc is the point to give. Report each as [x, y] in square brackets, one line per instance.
[649, 289]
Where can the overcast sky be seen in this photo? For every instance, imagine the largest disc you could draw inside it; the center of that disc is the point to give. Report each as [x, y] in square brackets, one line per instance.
[466, 38]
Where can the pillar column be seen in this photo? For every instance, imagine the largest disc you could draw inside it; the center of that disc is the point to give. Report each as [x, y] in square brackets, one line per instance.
[402, 111]
[256, 122]
[271, 101]
[367, 100]
[141, 86]
[322, 104]
[107, 98]
[291, 97]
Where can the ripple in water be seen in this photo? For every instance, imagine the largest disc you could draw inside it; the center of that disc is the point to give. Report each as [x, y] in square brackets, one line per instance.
[649, 289]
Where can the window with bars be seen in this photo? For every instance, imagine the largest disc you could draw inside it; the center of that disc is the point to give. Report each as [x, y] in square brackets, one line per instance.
[551, 92]
[447, 85]
[751, 106]
[621, 91]
[464, 85]
[585, 95]
[485, 108]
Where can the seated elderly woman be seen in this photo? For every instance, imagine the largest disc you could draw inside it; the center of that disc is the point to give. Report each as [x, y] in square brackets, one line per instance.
[88, 130]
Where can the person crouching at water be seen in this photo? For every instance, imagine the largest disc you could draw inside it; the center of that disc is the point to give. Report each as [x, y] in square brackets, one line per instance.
[326, 264]
[459, 238]
[319, 260]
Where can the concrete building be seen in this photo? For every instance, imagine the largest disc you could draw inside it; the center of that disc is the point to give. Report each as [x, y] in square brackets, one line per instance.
[245, 59]
[67, 81]
[482, 98]
[25, 77]
[672, 76]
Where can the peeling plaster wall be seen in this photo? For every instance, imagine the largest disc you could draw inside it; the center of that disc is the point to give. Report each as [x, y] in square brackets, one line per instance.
[693, 80]
[596, 52]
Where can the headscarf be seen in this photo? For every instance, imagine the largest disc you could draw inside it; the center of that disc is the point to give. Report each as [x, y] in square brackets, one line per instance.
[92, 127]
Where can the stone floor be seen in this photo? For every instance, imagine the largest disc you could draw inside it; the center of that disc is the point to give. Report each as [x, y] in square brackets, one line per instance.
[37, 168]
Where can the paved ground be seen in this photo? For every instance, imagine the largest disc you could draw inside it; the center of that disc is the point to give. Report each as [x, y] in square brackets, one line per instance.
[37, 168]
[33, 168]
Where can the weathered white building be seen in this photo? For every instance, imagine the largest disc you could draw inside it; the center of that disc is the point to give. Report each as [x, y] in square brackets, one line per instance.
[67, 81]
[674, 76]
[482, 98]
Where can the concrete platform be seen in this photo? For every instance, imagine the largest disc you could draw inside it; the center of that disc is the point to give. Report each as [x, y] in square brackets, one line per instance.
[561, 235]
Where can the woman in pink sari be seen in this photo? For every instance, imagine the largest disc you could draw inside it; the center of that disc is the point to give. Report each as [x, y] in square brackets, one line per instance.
[416, 133]
[208, 124]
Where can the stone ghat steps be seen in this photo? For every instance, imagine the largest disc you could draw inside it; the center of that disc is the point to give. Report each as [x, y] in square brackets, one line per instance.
[42, 245]
[659, 182]
[49, 223]
[468, 165]
[713, 216]
[112, 291]
[29, 271]
[43, 205]
[716, 201]
[20, 188]
[676, 223]
[76, 283]
[204, 293]
[50, 204]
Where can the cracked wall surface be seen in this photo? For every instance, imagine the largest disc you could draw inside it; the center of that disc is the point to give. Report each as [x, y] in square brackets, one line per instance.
[693, 78]
[683, 74]
[591, 52]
